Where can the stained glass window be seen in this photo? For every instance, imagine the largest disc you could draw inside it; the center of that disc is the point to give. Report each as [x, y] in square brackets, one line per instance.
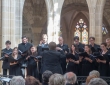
[81, 31]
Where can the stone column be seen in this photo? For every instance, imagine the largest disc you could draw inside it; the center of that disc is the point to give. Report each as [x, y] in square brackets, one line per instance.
[50, 31]
[54, 8]
[57, 15]
[99, 18]
[12, 21]
[92, 10]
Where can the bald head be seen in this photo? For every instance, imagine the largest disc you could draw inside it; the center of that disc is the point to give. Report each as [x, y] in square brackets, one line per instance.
[60, 39]
[70, 78]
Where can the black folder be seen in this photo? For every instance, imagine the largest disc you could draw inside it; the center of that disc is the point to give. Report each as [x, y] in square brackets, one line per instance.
[11, 59]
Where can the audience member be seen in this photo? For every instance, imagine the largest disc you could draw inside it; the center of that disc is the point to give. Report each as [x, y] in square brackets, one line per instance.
[96, 73]
[30, 80]
[45, 77]
[17, 80]
[89, 78]
[56, 79]
[70, 78]
[97, 81]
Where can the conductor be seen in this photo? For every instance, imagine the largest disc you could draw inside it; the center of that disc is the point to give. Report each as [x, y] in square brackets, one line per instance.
[51, 59]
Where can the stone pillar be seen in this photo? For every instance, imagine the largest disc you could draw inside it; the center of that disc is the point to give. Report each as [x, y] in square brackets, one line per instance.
[92, 17]
[54, 8]
[57, 16]
[99, 18]
[50, 31]
[12, 21]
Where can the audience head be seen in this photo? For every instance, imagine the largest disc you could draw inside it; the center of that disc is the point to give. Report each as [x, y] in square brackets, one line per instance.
[17, 80]
[76, 40]
[97, 81]
[56, 79]
[8, 44]
[89, 78]
[70, 78]
[30, 80]
[52, 46]
[91, 40]
[60, 39]
[103, 46]
[46, 75]
[94, 72]
[24, 39]
[44, 38]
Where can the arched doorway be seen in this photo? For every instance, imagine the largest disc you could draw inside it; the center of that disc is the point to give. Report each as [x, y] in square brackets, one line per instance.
[34, 20]
[72, 12]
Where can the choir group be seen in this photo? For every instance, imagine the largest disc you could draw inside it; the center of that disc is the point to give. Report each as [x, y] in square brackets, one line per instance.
[33, 61]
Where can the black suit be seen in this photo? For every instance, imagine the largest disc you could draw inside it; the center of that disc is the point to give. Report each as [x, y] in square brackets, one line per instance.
[24, 47]
[80, 47]
[95, 47]
[39, 48]
[51, 61]
[5, 64]
[63, 61]
[64, 47]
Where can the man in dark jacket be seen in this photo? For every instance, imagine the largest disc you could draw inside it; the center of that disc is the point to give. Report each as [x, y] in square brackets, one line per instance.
[79, 46]
[94, 47]
[62, 47]
[43, 44]
[51, 59]
[7, 50]
[24, 48]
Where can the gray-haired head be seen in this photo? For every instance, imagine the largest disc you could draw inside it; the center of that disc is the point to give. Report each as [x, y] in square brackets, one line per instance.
[46, 75]
[56, 79]
[70, 78]
[97, 81]
[94, 72]
[17, 80]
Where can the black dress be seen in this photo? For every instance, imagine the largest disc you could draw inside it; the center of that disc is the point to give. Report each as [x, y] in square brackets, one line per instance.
[73, 67]
[103, 68]
[16, 68]
[86, 66]
[32, 68]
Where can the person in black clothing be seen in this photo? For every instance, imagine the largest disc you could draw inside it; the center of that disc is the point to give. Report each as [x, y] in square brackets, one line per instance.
[32, 65]
[79, 46]
[15, 67]
[24, 47]
[108, 43]
[94, 47]
[6, 64]
[72, 60]
[43, 44]
[104, 63]
[86, 61]
[45, 77]
[62, 47]
[51, 59]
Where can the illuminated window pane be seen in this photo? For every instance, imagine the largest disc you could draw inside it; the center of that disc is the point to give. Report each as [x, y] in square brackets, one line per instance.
[81, 31]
